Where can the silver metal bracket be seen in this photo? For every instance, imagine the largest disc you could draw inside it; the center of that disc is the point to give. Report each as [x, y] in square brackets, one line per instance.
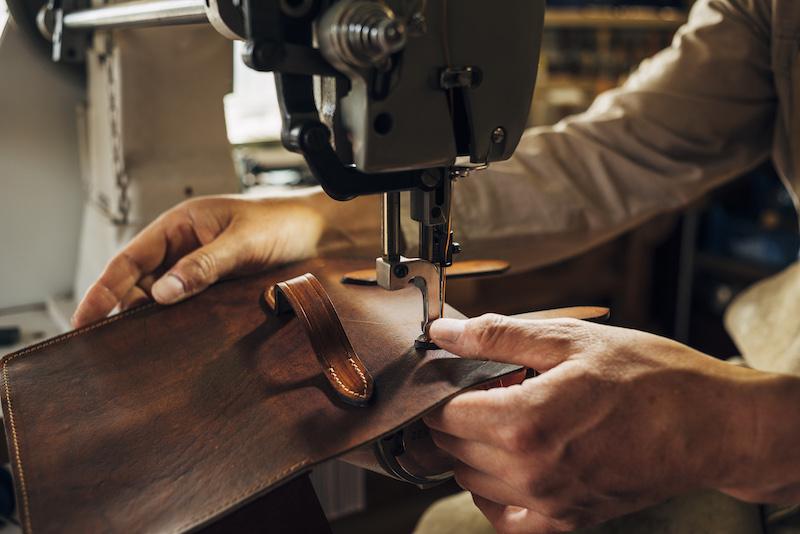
[390, 452]
[427, 277]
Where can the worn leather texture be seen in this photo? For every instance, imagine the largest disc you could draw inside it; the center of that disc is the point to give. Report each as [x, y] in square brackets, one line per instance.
[166, 419]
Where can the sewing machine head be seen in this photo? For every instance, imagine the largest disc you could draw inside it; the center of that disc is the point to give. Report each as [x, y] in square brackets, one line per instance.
[378, 96]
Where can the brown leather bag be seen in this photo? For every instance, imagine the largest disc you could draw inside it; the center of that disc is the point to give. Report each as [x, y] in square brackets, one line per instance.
[168, 419]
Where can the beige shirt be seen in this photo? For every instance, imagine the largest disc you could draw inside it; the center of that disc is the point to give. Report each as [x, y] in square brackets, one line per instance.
[720, 100]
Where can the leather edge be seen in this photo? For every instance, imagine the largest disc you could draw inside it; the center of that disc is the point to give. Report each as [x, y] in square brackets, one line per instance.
[13, 440]
[13, 445]
[72, 333]
[582, 313]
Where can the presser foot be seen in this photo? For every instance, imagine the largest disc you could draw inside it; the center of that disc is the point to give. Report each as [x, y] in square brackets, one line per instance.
[422, 343]
[425, 276]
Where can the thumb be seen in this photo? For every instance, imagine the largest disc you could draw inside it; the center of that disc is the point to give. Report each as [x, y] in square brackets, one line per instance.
[195, 272]
[540, 345]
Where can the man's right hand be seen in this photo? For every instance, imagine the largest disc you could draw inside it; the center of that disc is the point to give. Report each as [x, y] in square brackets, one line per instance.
[196, 243]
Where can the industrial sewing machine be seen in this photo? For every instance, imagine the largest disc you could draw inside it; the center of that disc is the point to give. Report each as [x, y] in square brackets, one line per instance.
[378, 96]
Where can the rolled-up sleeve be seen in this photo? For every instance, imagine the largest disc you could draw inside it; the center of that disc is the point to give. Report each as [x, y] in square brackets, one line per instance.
[695, 115]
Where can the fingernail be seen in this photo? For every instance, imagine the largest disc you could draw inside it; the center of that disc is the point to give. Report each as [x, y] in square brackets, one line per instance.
[168, 289]
[448, 330]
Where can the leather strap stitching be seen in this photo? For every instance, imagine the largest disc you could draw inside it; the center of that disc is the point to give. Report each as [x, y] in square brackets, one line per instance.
[363, 393]
[345, 371]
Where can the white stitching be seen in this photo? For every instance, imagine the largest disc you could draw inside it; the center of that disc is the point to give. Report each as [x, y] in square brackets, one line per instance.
[360, 373]
[74, 333]
[22, 486]
[7, 386]
[192, 522]
[363, 395]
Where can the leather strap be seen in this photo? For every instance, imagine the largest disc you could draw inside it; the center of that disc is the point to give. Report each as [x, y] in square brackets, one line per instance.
[311, 304]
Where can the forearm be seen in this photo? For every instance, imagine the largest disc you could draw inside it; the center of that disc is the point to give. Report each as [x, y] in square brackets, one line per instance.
[697, 114]
[350, 228]
[589, 179]
[765, 466]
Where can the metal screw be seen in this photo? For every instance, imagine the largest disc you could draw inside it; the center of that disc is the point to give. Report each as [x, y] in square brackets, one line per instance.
[264, 54]
[394, 35]
[455, 247]
[417, 25]
[429, 179]
[401, 271]
[296, 8]
[316, 138]
[498, 135]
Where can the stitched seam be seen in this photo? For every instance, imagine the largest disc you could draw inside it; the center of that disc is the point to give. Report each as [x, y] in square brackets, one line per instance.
[15, 440]
[360, 373]
[7, 387]
[74, 333]
[233, 500]
[332, 371]
[22, 486]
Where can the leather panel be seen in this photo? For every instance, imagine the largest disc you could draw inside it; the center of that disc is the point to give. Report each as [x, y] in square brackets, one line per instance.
[164, 419]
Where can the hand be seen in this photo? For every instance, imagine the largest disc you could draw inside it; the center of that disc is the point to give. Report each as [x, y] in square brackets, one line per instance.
[618, 420]
[196, 243]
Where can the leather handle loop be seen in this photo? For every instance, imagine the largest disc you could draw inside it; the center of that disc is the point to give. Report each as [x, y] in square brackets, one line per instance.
[311, 304]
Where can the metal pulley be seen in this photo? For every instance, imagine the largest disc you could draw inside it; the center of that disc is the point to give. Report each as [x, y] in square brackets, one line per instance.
[360, 35]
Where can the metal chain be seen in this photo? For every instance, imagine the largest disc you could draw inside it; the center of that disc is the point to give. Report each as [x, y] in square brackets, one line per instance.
[122, 217]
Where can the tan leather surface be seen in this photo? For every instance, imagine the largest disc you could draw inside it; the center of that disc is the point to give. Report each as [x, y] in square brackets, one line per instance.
[164, 419]
[345, 371]
[584, 313]
[459, 269]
